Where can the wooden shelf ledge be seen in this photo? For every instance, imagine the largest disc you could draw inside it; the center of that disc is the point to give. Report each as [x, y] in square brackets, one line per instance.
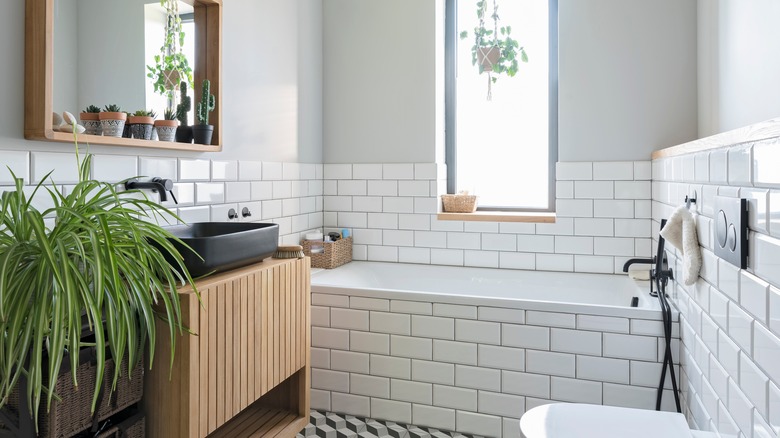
[499, 216]
[757, 132]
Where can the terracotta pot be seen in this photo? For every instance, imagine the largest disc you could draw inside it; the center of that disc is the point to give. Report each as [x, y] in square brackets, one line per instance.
[166, 129]
[488, 57]
[113, 123]
[140, 120]
[202, 134]
[91, 123]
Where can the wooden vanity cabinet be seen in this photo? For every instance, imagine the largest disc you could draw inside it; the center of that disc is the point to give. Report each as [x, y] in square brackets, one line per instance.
[245, 369]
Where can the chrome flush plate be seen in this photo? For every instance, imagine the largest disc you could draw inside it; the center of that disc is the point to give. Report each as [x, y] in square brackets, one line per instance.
[731, 230]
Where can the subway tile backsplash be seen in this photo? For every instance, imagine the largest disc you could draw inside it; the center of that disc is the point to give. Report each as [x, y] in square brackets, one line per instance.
[730, 337]
[289, 194]
[596, 201]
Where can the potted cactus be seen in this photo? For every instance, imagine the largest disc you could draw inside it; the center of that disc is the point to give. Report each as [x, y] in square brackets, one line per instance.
[202, 131]
[166, 128]
[90, 119]
[112, 121]
[141, 124]
[184, 131]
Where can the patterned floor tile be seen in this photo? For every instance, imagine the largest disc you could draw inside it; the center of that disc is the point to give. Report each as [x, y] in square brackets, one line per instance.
[332, 425]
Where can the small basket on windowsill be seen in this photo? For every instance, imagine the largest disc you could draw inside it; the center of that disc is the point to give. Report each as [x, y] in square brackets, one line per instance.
[460, 203]
[334, 255]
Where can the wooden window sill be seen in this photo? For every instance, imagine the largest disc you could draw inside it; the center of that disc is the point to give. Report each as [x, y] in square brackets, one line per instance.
[499, 216]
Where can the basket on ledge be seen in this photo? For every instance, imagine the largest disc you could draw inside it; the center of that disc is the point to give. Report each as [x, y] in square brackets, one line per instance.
[459, 203]
[335, 254]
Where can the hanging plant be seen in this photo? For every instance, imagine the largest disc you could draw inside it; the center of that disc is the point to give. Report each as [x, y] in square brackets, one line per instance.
[494, 50]
[171, 66]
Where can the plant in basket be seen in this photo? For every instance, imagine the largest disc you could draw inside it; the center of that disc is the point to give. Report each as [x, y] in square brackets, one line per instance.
[96, 256]
[494, 50]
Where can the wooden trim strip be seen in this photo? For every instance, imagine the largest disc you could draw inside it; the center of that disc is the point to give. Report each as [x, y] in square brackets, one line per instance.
[498, 216]
[757, 132]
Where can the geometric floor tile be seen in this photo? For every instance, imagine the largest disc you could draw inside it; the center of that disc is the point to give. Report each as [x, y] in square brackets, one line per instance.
[330, 425]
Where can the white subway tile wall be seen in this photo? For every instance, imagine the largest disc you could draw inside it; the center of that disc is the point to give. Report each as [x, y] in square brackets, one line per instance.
[603, 218]
[289, 194]
[730, 349]
[475, 368]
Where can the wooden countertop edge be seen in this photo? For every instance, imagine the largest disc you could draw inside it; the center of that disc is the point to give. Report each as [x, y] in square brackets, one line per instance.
[757, 132]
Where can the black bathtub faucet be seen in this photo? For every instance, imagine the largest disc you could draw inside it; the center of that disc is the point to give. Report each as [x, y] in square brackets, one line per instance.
[637, 261]
[157, 184]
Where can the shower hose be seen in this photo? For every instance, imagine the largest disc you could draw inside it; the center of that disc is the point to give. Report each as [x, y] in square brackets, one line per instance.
[661, 278]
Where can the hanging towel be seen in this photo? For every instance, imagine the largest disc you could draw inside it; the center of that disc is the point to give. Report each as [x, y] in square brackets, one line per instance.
[680, 232]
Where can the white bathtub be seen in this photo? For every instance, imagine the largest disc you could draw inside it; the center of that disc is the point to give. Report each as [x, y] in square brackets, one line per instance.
[449, 347]
[595, 294]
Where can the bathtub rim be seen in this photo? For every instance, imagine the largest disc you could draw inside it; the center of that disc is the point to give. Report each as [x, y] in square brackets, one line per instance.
[643, 287]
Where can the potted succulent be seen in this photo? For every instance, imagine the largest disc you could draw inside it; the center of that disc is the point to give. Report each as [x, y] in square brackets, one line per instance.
[112, 121]
[166, 128]
[202, 131]
[494, 50]
[90, 119]
[95, 263]
[141, 124]
[171, 66]
[184, 131]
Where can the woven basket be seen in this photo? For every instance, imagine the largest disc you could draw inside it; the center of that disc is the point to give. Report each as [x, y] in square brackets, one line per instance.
[133, 426]
[336, 253]
[72, 414]
[459, 203]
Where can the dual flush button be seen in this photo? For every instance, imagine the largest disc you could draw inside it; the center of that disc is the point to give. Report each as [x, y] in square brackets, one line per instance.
[731, 230]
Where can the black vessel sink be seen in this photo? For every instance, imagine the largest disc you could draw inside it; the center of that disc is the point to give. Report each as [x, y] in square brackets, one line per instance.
[225, 245]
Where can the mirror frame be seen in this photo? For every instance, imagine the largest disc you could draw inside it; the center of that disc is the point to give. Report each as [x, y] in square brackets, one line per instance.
[39, 76]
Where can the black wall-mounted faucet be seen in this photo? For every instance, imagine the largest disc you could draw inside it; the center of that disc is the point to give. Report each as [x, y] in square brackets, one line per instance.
[157, 184]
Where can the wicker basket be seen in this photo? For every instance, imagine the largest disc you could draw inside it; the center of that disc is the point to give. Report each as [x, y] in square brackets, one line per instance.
[459, 203]
[336, 253]
[133, 426]
[72, 414]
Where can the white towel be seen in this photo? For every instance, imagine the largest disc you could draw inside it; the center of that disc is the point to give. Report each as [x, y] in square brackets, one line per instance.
[680, 232]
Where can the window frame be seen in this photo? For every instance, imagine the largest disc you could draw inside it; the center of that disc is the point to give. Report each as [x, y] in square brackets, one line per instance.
[450, 110]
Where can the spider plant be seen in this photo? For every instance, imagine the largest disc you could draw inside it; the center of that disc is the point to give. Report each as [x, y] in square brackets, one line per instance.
[90, 257]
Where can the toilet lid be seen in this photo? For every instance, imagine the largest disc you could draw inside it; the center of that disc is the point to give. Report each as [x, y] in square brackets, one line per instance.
[565, 420]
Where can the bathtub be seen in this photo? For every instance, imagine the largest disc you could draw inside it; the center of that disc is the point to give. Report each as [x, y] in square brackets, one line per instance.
[596, 294]
[471, 349]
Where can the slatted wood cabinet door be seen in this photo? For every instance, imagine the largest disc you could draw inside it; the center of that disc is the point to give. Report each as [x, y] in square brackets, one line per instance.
[243, 370]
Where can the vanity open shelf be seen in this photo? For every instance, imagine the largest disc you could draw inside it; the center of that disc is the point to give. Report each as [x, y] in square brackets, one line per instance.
[244, 370]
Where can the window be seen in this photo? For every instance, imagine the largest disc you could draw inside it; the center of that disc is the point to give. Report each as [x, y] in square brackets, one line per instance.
[504, 149]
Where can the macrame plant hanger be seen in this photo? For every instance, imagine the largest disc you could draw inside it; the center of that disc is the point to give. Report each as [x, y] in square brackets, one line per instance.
[173, 27]
[495, 43]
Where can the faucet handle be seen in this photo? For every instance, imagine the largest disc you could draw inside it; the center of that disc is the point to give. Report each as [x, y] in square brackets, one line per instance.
[167, 184]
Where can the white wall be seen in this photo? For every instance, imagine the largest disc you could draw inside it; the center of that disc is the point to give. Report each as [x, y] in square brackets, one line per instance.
[627, 77]
[66, 50]
[380, 80]
[271, 98]
[738, 45]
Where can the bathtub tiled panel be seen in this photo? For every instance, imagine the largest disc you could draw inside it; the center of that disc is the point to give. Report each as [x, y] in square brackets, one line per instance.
[730, 351]
[603, 218]
[475, 369]
[289, 194]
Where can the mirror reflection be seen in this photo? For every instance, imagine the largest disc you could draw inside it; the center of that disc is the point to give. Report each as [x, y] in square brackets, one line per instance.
[102, 50]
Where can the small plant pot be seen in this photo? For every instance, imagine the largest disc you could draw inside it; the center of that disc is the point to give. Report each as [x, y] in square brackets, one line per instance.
[184, 134]
[166, 129]
[202, 134]
[141, 127]
[91, 122]
[112, 124]
[488, 57]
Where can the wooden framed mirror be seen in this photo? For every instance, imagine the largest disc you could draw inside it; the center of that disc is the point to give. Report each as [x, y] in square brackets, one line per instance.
[41, 37]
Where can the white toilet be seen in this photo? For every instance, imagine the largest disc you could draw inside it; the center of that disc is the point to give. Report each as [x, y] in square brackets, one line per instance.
[567, 420]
